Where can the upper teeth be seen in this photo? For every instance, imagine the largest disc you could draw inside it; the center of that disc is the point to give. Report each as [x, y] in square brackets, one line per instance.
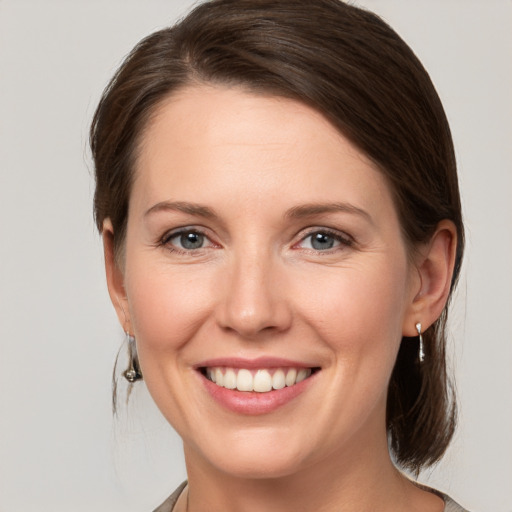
[257, 380]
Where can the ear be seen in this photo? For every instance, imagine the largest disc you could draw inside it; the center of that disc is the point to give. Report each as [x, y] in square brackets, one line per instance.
[115, 277]
[435, 269]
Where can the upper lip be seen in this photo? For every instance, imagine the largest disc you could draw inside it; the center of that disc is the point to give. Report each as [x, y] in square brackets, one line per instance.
[259, 362]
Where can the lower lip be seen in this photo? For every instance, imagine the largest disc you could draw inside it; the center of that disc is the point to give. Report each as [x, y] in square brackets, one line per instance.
[252, 402]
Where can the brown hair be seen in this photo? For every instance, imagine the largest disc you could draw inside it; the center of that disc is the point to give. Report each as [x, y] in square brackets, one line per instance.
[353, 68]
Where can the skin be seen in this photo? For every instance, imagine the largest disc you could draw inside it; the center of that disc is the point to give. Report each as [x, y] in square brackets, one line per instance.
[258, 287]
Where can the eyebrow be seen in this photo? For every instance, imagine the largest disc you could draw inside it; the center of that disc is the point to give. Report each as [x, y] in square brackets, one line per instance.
[297, 212]
[184, 207]
[310, 210]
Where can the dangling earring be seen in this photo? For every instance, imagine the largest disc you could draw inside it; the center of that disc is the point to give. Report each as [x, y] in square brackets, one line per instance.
[132, 373]
[422, 351]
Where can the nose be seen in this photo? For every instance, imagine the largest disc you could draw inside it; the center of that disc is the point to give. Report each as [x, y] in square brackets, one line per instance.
[255, 302]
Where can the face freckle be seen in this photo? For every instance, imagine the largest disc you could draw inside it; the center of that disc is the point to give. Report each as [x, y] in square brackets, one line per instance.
[282, 251]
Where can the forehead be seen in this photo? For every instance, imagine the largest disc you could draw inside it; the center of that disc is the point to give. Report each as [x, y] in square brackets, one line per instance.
[205, 139]
[235, 115]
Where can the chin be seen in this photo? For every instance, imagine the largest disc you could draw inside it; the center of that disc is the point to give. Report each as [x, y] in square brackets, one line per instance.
[246, 467]
[254, 455]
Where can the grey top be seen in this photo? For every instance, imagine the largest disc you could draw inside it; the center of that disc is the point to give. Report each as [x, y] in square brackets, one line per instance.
[168, 504]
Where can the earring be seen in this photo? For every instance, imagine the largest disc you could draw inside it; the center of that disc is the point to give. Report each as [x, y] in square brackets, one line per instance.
[132, 373]
[422, 351]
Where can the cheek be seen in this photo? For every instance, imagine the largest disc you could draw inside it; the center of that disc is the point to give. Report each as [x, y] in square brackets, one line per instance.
[167, 306]
[354, 299]
[358, 311]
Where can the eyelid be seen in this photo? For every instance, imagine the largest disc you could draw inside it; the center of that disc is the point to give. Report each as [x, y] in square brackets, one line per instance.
[164, 240]
[343, 238]
[178, 231]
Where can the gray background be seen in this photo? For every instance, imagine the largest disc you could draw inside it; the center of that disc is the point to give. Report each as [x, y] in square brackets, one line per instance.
[60, 450]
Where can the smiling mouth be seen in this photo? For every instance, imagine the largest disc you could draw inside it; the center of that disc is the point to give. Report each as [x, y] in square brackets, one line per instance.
[260, 380]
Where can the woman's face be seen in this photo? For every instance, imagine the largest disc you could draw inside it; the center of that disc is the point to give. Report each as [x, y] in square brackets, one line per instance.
[262, 247]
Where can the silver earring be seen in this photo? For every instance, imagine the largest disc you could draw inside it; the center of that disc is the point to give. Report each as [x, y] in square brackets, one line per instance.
[422, 351]
[132, 373]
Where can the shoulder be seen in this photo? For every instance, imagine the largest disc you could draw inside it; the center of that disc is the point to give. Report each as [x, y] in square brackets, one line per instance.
[168, 504]
[451, 506]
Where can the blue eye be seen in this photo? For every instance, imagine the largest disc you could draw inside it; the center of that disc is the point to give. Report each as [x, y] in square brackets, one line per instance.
[323, 241]
[191, 240]
[187, 240]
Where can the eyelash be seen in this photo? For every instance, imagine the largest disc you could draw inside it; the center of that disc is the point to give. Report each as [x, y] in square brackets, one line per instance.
[165, 240]
[343, 240]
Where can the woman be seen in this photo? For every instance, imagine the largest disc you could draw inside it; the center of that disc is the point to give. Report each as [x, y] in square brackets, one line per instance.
[278, 199]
